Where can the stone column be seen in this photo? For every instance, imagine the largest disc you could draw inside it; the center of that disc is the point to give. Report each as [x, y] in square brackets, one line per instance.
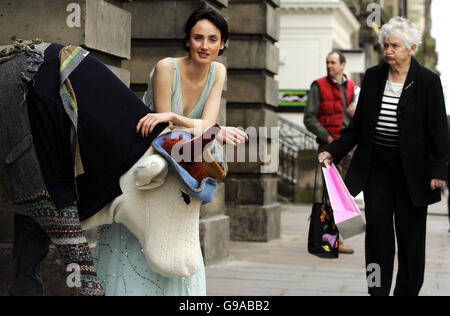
[101, 27]
[157, 32]
[252, 95]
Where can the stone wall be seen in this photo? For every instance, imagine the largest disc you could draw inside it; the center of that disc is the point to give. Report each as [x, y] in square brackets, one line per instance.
[103, 28]
[252, 95]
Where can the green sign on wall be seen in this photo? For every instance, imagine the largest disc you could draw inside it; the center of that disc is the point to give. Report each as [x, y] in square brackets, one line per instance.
[290, 100]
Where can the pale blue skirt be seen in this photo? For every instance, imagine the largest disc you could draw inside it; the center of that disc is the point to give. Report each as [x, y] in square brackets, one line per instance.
[123, 271]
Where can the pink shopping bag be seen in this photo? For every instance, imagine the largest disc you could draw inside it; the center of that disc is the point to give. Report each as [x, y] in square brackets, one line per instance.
[347, 215]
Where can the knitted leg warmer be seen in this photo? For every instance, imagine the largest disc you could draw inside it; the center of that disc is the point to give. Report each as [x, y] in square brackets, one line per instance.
[64, 228]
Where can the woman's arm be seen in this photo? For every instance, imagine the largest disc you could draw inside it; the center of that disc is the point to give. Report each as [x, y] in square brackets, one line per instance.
[162, 95]
[227, 134]
[212, 105]
[162, 91]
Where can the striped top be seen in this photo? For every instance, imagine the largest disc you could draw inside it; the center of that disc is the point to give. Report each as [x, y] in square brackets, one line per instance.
[386, 130]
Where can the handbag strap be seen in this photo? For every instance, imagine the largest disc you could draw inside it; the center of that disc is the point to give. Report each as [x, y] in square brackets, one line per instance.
[324, 191]
[315, 183]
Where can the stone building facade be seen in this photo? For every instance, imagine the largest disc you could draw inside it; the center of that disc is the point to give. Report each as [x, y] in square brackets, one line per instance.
[309, 31]
[419, 11]
[252, 96]
[129, 37]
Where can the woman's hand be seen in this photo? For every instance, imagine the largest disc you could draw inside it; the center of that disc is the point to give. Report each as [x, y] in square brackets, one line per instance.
[148, 122]
[231, 135]
[436, 183]
[325, 157]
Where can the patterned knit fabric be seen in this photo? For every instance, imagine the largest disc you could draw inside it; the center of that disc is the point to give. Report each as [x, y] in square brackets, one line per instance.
[64, 228]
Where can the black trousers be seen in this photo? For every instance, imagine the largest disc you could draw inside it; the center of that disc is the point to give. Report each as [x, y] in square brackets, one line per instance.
[390, 214]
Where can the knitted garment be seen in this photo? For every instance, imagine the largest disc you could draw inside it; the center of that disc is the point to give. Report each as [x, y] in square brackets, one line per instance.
[19, 167]
[70, 57]
[64, 229]
[203, 190]
[33, 169]
[99, 105]
[56, 208]
[166, 228]
[108, 112]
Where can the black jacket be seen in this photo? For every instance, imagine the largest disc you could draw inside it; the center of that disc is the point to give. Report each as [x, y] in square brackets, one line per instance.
[423, 132]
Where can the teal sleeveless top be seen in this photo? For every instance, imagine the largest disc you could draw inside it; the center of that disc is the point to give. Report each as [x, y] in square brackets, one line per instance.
[177, 97]
[119, 260]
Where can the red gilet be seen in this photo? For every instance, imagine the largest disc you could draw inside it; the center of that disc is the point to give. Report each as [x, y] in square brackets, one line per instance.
[331, 111]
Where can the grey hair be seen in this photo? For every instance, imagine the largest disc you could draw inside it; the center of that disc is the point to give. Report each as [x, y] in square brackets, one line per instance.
[399, 26]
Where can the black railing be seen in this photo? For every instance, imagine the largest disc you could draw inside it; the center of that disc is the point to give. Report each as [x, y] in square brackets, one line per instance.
[293, 139]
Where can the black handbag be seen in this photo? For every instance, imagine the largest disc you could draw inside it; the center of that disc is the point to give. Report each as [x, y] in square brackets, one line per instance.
[323, 236]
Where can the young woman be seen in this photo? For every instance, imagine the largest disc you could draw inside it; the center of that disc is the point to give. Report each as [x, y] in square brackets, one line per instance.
[185, 92]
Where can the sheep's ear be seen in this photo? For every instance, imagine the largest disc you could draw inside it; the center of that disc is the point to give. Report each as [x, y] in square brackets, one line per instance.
[151, 172]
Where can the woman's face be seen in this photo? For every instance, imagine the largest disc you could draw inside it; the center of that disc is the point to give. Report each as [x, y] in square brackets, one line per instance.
[205, 41]
[396, 53]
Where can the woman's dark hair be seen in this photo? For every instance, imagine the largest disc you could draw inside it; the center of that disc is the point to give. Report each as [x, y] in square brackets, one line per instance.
[206, 13]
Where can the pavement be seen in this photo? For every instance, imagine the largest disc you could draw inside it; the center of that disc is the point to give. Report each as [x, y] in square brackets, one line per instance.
[283, 267]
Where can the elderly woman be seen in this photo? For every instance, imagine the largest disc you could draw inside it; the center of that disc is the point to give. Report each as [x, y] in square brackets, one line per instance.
[400, 128]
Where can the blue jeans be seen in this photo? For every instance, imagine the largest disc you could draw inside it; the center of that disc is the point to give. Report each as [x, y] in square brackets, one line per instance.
[31, 246]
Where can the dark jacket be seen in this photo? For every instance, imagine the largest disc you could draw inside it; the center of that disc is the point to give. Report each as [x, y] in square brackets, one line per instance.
[422, 124]
[108, 112]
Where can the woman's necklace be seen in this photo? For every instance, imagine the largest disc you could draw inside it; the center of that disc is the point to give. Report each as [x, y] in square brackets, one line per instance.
[391, 87]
